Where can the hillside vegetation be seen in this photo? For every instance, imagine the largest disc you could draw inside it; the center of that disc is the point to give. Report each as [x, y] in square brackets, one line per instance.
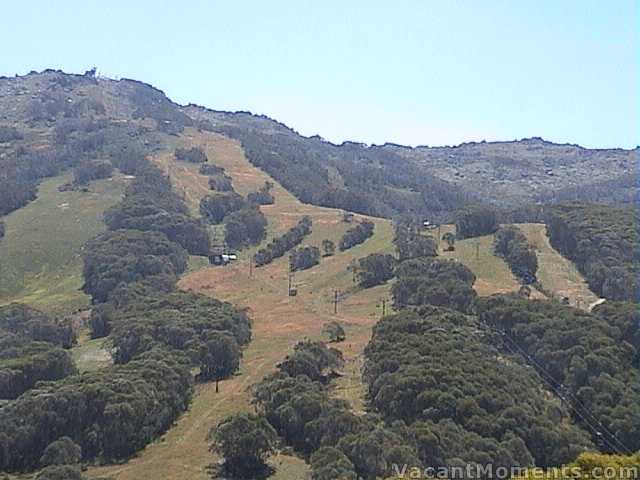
[334, 344]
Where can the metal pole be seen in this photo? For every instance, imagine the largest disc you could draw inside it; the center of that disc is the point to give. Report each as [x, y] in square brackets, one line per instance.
[335, 302]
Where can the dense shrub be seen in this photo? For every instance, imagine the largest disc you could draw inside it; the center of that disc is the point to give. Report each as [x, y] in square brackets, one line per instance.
[96, 170]
[587, 356]
[475, 221]
[430, 369]
[445, 283]
[356, 235]
[151, 205]
[215, 207]
[110, 414]
[603, 242]
[193, 155]
[297, 403]
[220, 183]
[245, 441]
[127, 256]
[27, 322]
[281, 245]
[368, 180]
[511, 244]
[303, 258]
[142, 318]
[245, 227]
[375, 269]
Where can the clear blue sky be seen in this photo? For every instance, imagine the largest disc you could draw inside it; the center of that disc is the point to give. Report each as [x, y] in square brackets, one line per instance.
[413, 72]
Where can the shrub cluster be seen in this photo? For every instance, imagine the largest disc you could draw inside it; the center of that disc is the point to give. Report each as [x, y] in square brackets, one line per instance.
[445, 283]
[244, 227]
[603, 243]
[281, 245]
[375, 269]
[32, 349]
[476, 221]
[511, 244]
[356, 235]
[429, 368]
[592, 358]
[298, 403]
[193, 155]
[303, 258]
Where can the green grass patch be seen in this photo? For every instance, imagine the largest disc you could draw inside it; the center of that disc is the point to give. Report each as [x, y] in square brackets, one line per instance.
[41, 253]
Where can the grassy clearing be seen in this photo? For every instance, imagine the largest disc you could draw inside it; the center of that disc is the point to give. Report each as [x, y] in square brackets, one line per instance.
[493, 274]
[556, 273]
[91, 355]
[41, 254]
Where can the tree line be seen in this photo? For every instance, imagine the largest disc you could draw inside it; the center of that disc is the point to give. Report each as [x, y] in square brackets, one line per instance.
[430, 369]
[277, 247]
[303, 258]
[296, 403]
[356, 235]
[84, 143]
[110, 413]
[151, 205]
[367, 180]
[476, 221]
[591, 357]
[512, 245]
[603, 243]
[33, 348]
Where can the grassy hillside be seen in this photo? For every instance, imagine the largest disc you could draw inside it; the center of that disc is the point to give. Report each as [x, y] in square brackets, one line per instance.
[279, 320]
[40, 255]
[556, 273]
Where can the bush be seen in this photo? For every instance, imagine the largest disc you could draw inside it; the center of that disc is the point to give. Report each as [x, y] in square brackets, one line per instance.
[192, 155]
[375, 269]
[511, 244]
[245, 441]
[444, 283]
[61, 452]
[262, 196]
[475, 221]
[215, 207]
[96, 170]
[280, 245]
[245, 227]
[220, 183]
[328, 247]
[356, 235]
[303, 258]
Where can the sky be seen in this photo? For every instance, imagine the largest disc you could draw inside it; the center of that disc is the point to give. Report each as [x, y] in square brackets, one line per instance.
[409, 72]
